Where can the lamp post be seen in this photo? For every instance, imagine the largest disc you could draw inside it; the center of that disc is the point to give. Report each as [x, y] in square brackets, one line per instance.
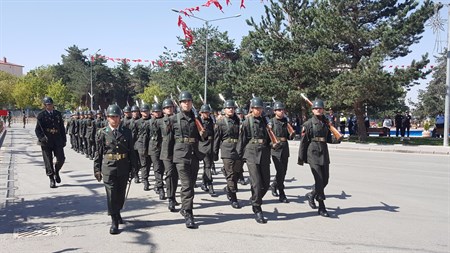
[91, 94]
[206, 44]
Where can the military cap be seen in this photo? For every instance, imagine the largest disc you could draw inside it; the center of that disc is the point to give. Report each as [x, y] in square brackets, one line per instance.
[47, 100]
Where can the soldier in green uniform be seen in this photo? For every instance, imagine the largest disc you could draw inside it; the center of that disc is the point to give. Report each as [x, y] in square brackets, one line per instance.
[134, 127]
[83, 127]
[69, 129]
[114, 161]
[314, 151]
[240, 114]
[226, 137]
[205, 146]
[280, 153]
[99, 122]
[154, 149]
[52, 139]
[254, 147]
[75, 130]
[166, 154]
[127, 116]
[141, 145]
[90, 134]
[80, 133]
[186, 155]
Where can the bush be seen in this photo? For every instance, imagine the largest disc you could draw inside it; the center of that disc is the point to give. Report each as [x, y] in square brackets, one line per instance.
[426, 126]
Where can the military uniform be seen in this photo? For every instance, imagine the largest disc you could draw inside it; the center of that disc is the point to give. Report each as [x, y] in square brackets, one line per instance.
[99, 123]
[314, 151]
[254, 147]
[134, 127]
[280, 154]
[154, 152]
[90, 134]
[80, 133]
[114, 160]
[50, 132]
[141, 146]
[205, 146]
[226, 138]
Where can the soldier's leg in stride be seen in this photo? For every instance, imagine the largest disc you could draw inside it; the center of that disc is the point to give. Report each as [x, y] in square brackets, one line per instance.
[158, 168]
[136, 175]
[145, 169]
[47, 154]
[320, 174]
[256, 183]
[113, 200]
[264, 169]
[171, 183]
[278, 183]
[207, 174]
[187, 173]
[60, 159]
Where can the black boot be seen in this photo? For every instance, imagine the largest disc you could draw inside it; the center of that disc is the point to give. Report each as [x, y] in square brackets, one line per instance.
[311, 202]
[172, 205]
[136, 179]
[52, 182]
[282, 197]
[146, 185]
[189, 218]
[322, 210]
[273, 188]
[259, 217]
[119, 219]
[114, 229]
[225, 189]
[162, 194]
[214, 171]
[57, 177]
[204, 187]
[234, 201]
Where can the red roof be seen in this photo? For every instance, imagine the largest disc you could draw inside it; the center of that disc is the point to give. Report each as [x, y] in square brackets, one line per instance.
[9, 63]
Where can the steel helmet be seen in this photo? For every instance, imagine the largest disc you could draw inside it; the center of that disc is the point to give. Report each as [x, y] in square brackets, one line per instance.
[205, 108]
[229, 104]
[145, 108]
[167, 103]
[156, 107]
[127, 109]
[257, 102]
[318, 104]
[47, 100]
[185, 95]
[113, 110]
[278, 106]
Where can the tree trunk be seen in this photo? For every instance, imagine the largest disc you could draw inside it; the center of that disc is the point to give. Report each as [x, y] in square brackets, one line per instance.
[359, 112]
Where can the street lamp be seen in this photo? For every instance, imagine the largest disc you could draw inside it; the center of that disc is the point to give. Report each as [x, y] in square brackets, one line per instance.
[92, 93]
[206, 43]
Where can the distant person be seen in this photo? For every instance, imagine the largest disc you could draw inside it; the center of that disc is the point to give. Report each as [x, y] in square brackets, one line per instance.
[366, 123]
[24, 118]
[51, 134]
[331, 117]
[351, 125]
[342, 123]
[9, 118]
[406, 124]
[439, 123]
[398, 121]
[387, 124]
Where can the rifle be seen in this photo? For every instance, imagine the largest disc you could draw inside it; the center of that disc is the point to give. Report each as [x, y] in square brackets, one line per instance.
[289, 126]
[338, 136]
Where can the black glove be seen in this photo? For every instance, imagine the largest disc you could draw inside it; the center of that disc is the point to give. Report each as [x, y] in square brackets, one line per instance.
[98, 176]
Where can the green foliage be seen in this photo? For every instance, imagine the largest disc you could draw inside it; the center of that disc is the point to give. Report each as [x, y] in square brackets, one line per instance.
[426, 126]
[7, 84]
[150, 92]
[60, 95]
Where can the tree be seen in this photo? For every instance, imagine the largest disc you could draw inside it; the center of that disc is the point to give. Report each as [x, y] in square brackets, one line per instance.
[60, 95]
[150, 92]
[7, 84]
[431, 100]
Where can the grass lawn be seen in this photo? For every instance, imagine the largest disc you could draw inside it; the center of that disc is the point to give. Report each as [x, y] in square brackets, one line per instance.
[397, 140]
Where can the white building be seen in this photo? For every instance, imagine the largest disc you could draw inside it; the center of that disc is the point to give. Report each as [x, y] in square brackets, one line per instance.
[11, 68]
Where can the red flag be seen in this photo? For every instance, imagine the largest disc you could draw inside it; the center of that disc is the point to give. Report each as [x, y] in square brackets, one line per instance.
[215, 2]
[242, 4]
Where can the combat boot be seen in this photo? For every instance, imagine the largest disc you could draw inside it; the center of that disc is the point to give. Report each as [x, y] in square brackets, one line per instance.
[162, 194]
[119, 218]
[274, 190]
[311, 202]
[225, 189]
[259, 217]
[114, 229]
[204, 187]
[189, 218]
[172, 204]
[211, 189]
[283, 198]
[52, 182]
[146, 185]
[234, 201]
[57, 177]
[136, 179]
[322, 210]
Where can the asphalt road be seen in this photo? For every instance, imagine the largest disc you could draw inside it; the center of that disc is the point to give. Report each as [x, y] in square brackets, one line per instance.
[378, 202]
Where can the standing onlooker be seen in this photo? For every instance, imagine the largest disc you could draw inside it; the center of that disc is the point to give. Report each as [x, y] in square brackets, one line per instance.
[398, 123]
[439, 123]
[351, 126]
[406, 124]
[331, 117]
[387, 124]
[24, 118]
[52, 138]
[342, 123]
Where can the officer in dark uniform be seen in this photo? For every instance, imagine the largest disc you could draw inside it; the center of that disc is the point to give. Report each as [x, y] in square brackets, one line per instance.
[254, 146]
[52, 139]
[69, 129]
[186, 155]
[166, 155]
[75, 130]
[134, 127]
[314, 151]
[126, 121]
[226, 138]
[205, 146]
[141, 145]
[280, 153]
[114, 161]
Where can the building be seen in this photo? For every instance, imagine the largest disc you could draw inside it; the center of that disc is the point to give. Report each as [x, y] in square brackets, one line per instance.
[11, 68]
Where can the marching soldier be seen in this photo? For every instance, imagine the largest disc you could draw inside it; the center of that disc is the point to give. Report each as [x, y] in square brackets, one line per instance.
[69, 129]
[166, 155]
[134, 127]
[99, 122]
[114, 161]
[186, 155]
[80, 133]
[280, 154]
[254, 148]
[127, 116]
[154, 149]
[314, 151]
[75, 130]
[90, 134]
[83, 127]
[205, 146]
[241, 116]
[226, 138]
[141, 145]
[52, 139]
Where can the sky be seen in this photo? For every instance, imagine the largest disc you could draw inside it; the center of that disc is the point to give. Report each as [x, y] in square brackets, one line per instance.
[34, 33]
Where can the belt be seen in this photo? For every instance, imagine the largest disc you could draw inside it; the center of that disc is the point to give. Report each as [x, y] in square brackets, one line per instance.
[186, 140]
[52, 130]
[319, 139]
[231, 140]
[282, 139]
[260, 141]
[116, 156]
